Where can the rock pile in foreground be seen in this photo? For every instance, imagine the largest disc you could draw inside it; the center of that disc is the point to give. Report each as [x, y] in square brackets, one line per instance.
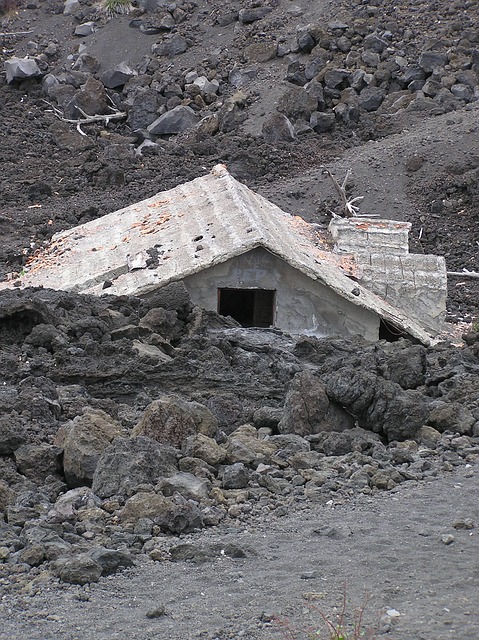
[125, 423]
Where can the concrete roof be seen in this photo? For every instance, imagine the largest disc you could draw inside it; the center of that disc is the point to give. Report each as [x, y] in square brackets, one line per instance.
[192, 227]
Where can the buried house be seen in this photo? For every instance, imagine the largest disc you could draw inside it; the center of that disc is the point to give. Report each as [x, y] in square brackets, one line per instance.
[240, 255]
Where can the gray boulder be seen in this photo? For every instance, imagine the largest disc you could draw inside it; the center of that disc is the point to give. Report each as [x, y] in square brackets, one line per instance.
[86, 439]
[379, 405]
[13, 433]
[336, 78]
[278, 128]
[297, 103]
[338, 444]
[85, 29]
[37, 461]
[235, 476]
[43, 538]
[451, 416]
[430, 60]
[240, 77]
[18, 69]
[308, 410]
[246, 16]
[370, 98]
[322, 122]
[373, 42]
[71, 7]
[171, 46]
[127, 463]
[68, 504]
[359, 79]
[110, 560]
[177, 120]
[29, 505]
[171, 420]
[186, 484]
[78, 569]
[462, 91]
[267, 417]
[118, 76]
[289, 444]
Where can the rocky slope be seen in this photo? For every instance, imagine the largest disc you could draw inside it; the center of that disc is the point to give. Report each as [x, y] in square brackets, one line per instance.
[123, 420]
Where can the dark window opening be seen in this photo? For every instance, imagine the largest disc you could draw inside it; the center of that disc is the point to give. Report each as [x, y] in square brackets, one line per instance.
[249, 307]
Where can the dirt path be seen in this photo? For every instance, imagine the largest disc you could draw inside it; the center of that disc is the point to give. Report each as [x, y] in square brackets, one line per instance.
[389, 546]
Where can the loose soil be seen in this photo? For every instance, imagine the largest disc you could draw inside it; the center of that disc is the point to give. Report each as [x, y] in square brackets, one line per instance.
[385, 553]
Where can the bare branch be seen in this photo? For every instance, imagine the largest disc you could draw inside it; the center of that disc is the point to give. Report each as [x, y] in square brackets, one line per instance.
[15, 33]
[350, 209]
[464, 274]
[87, 119]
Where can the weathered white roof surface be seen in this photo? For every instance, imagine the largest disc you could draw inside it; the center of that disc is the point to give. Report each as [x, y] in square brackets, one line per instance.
[194, 226]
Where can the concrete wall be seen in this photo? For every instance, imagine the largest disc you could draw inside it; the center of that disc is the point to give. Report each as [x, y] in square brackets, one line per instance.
[415, 283]
[303, 305]
[366, 235]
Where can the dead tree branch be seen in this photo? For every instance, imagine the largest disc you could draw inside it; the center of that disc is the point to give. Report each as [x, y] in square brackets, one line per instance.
[464, 274]
[87, 119]
[15, 33]
[349, 208]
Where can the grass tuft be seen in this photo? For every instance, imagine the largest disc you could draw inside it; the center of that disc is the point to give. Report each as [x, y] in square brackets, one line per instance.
[115, 7]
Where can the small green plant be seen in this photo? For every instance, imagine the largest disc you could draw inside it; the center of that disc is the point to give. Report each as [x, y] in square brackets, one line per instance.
[112, 7]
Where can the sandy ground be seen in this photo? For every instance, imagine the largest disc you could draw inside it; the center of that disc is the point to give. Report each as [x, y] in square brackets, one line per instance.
[387, 550]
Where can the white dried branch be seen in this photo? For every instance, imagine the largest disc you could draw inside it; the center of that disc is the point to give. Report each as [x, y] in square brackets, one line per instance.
[349, 207]
[87, 119]
[464, 273]
[14, 33]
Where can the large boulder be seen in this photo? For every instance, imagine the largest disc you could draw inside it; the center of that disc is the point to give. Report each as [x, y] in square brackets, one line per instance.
[176, 515]
[204, 448]
[91, 99]
[13, 433]
[277, 128]
[450, 416]
[18, 69]
[379, 405]
[78, 569]
[177, 120]
[118, 76]
[170, 46]
[308, 409]
[171, 420]
[86, 439]
[37, 461]
[297, 103]
[338, 444]
[128, 463]
[143, 106]
[187, 485]
[245, 446]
